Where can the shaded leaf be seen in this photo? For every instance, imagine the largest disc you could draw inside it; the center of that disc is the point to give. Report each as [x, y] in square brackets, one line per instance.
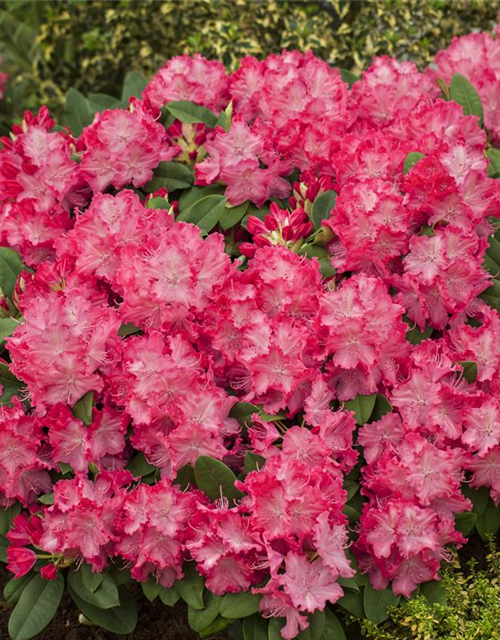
[36, 607]
[190, 588]
[362, 407]
[205, 213]
[215, 479]
[376, 601]
[462, 91]
[322, 207]
[11, 266]
[77, 111]
[191, 113]
[120, 620]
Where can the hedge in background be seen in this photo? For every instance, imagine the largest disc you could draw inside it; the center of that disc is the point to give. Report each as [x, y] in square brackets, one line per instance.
[90, 45]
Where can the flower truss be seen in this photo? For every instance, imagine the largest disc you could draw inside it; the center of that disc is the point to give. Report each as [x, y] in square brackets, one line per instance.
[251, 335]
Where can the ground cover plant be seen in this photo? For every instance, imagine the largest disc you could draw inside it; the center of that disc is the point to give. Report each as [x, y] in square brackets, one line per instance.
[250, 342]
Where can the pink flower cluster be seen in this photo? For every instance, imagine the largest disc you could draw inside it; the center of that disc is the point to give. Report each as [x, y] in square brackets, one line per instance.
[235, 346]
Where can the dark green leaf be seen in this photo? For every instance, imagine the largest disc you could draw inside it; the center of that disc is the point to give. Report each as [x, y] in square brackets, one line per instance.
[255, 628]
[158, 203]
[274, 629]
[205, 213]
[151, 589]
[100, 102]
[434, 592]
[349, 77]
[133, 85]
[11, 266]
[36, 607]
[479, 498]
[494, 166]
[128, 329]
[353, 603]
[83, 408]
[200, 619]
[77, 111]
[215, 479]
[463, 92]
[232, 215]
[352, 488]
[120, 620]
[104, 597]
[170, 596]
[4, 543]
[376, 602]
[190, 196]
[411, 160]
[219, 624]
[11, 386]
[7, 327]
[333, 627]
[170, 176]
[362, 407]
[185, 477]
[239, 605]
[316, 627]
[325, 265]
[191, 113]
[348, 583]
[15, 586]
[322, 207]
[91, 581]
[139, 466]
[488, 522]
[415, 336]
[7, 517]
[469, 370]
[253, 462]
[190, 588]
[465, 522]
[381, 408]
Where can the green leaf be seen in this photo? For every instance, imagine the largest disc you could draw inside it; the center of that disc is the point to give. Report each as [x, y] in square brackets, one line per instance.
[158, 203]
[463, 92]
[185, 477]
[488, 522]
[362, 407]
[11, 386]
[274, 629]
[7, 517]
[492, 295]
[46, 498]
[4, 543]
[381, 408]
[352, 602]
[415, 336]
[239, 605]
[205, 213]
[215, 479]
[191, 113]
[170, 596]
[376, 602]
[465, 522]
[200, 619]
[100, 102]
[469, 370]
[434, 592]
[479, 498]
[77, 111]
[348, 583]
[253, 462]
[36, 607]
[133, 85]
[190, 588]
[15, 586]
[139, 466]
[11, 266]
[120, 620]
[411, 160]
[7, 327]
[494, 166]
[348, 76]
[325, 265]
[128, 329]
[322, 207]
[170, 176]
[192, 195]
[83, 408]
[219, 624]
[104, 597]
[232, 215]
[352, 488]
[255, 628]
[91, 581]
[316, 627]
[151, 589]
[333, 627]
[65, 468]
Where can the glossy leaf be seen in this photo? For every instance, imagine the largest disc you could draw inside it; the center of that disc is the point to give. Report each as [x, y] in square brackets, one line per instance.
[232, 215]
[10, 385]
[322, 207]
[349, 77]
[219, 624]
[362, 407]
[376, 603]
[170, 176]
[253, 462]
[133, 85]
[105, 595]
[191, 113]
[462, 91]
[215, 479]
[77, 111]
[434, 592]
[352, 602]
[7, 517]
[333, 627]
[255, 628]
[15, 586]
[239, 605]
[7, 327]
[83, 408]
[316, 627]
[151, 589]
[11, 266]
[494, 166]
[200, 619]
[190, 588]
[205, 213]
[120, 620]
[488, 522]
[170, 596]
[91, 581]
[36, 607]
[411, 160]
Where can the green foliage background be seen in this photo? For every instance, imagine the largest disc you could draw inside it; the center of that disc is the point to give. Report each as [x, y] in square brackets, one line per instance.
[50, 46]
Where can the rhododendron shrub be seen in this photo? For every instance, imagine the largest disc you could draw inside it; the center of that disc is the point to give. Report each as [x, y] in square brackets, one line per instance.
[250, 328]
